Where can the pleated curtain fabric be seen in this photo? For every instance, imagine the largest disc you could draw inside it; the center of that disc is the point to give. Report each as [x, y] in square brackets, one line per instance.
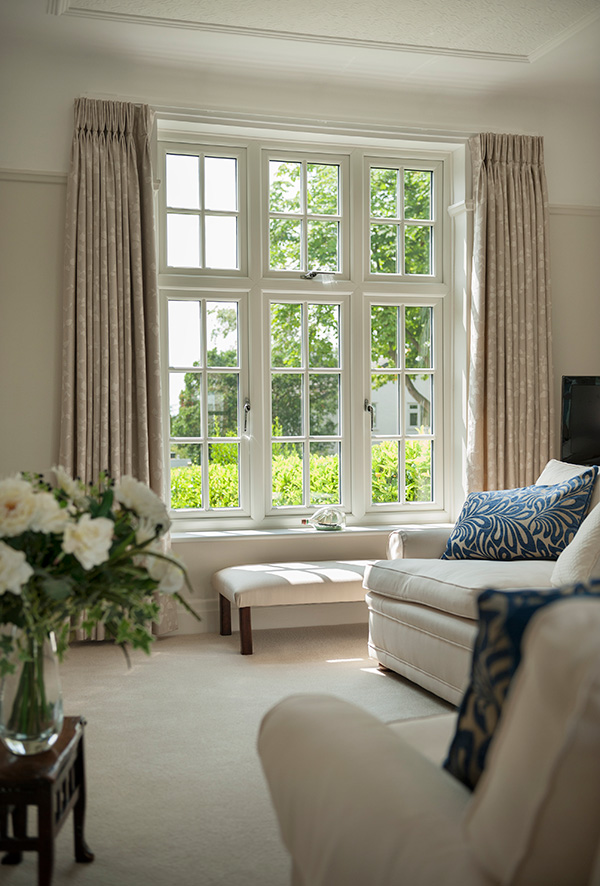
[111, 393]
[511, 413]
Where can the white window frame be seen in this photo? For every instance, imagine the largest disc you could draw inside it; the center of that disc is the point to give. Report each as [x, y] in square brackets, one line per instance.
[436, 168]
[202, 151]
[204, 439]
[437, 434]
[345, 457]
[304, 157]
[355, 286]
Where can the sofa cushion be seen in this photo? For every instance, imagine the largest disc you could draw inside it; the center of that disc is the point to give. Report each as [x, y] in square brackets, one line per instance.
[452, 586]
[535, 816]
[580, 560]
[533, 522]
[559, 471]
[503, 617]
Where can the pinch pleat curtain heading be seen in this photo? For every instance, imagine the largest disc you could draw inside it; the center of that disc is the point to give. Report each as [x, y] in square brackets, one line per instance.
[510, 407]
[111, 392]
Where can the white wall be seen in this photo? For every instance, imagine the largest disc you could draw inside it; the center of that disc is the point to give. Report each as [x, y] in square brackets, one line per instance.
[35, 135]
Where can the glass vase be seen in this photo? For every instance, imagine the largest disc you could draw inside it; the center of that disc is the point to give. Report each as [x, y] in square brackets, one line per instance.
[31, 709]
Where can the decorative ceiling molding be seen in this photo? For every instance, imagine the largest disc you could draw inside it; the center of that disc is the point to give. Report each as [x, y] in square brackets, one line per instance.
[296, 36]
[57, 7]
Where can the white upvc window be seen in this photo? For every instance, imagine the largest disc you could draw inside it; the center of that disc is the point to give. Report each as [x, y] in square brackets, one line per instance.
[305, 206]
[307, 396]
[304, 294]
[203, 210]
[208, 404]
[405, 403]
[404, 201]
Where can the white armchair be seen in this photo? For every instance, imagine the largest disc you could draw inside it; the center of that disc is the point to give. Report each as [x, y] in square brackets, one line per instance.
[361, 802]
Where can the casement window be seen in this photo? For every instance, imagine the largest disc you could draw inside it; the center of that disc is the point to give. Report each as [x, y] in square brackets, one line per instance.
[303, 311]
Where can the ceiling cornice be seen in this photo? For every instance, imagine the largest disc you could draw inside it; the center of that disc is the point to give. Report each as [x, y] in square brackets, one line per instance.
[65, 7]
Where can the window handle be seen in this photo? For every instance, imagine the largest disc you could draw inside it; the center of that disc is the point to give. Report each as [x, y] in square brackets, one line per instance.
[246, 411]
[369, 409]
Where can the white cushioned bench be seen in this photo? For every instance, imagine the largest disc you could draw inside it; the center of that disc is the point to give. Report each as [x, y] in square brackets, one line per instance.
[284, 584]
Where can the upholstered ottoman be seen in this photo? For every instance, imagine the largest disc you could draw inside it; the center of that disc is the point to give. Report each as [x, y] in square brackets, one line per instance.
[284, 584]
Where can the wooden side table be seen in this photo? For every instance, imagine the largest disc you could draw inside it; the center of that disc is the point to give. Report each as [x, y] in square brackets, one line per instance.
[54, 783]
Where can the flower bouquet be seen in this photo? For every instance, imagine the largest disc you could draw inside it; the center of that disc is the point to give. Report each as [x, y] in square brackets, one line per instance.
[72, 554]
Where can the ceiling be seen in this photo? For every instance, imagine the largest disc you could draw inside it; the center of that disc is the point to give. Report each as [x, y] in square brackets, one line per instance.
[481, 45]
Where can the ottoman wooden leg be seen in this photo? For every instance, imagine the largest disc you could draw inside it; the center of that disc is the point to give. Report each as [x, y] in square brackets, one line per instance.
[246, 630]
[225, 616]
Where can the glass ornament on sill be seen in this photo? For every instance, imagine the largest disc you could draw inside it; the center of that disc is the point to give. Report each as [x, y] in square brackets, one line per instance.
[328, 519]
[31, 706]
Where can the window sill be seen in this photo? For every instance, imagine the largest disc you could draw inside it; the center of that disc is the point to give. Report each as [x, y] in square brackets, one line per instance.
[300, 532]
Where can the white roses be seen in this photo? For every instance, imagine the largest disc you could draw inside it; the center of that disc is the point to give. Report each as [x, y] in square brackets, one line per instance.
[136, 496]
[15, 571]
[17, 506]
[89, 540]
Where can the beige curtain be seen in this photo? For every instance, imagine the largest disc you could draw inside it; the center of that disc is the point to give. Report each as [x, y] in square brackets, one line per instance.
[510, 422]
[111, 393]
[111, 402]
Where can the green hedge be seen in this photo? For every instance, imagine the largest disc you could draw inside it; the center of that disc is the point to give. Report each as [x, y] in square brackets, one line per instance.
[324, 473]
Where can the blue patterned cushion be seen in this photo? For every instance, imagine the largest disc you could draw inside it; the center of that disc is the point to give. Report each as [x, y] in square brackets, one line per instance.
[503, 617]
[531, 523]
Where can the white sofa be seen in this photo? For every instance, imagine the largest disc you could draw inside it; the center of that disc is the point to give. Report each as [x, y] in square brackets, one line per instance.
[423, 610]
[361, 802]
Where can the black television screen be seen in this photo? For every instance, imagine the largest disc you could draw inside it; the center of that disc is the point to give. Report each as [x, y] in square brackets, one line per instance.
[581, 419]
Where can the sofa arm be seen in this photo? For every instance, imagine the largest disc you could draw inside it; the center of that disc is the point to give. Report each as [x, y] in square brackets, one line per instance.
[356, 804]
[418, 542]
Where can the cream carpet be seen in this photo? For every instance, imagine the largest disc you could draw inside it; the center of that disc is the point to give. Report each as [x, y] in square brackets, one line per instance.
[176, 795]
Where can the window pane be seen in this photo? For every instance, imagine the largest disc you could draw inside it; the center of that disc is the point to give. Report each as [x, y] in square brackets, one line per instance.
[287, 473]
[183, 241]
[384, 249]
[417, 249]
[323, 248]
[384, 337]
[417, 338]
[286, 335]
[324, 473]
[184, 403]
[222, 395]
[322, 187]
[384, 193]
[184, 333]
[286, 399]
[385, 401]
[418, 470]
[284, 244]
[323, 336]
[222, 333]
[384, 473]
[221, 241]
[284, 186]
[324, 405]
[223, 475]
[418, 404]
[220, 183]
[417, 194]
[186, 475]
[183, 183]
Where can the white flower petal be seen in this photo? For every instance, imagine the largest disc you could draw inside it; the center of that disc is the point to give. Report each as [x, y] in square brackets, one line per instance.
[17, 506]
[89, 539]
[15, 571]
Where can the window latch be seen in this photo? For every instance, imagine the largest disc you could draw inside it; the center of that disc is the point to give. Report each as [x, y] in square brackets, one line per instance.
[369, 409]
[246, 411]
